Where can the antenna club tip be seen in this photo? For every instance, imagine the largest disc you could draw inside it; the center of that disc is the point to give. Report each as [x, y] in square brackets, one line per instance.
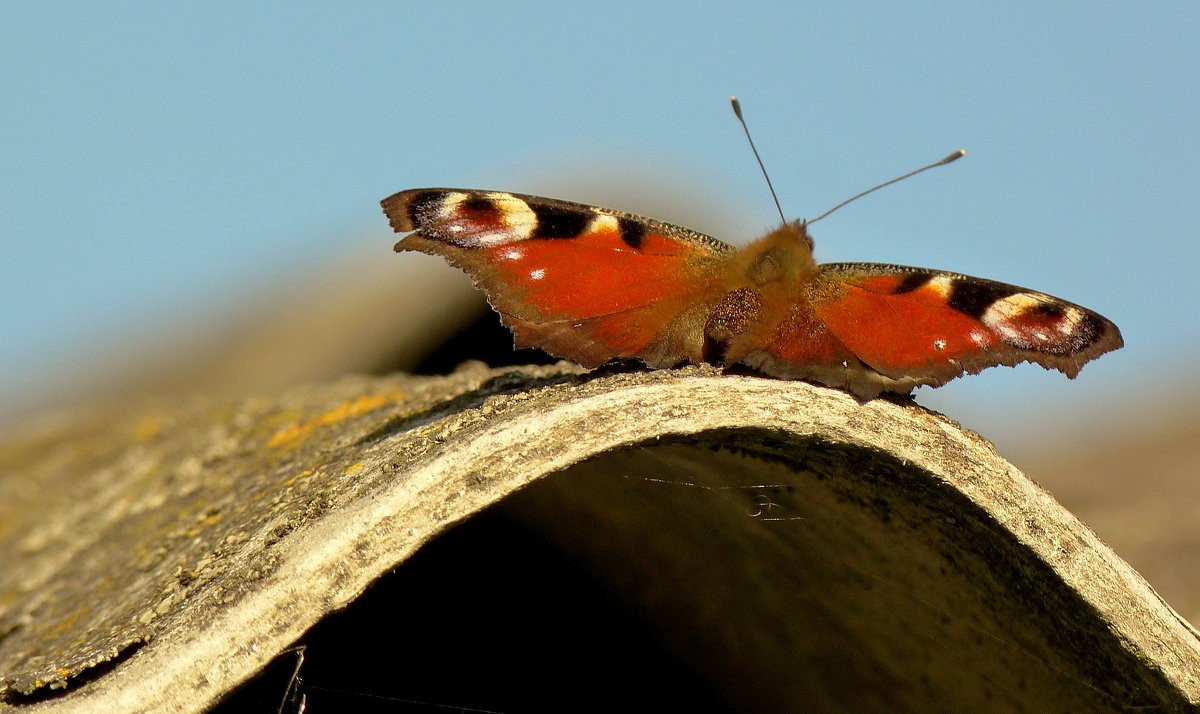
[954, 157]
[737, 106]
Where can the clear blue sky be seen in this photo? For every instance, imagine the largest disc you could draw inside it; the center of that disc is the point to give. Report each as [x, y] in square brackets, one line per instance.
[160, 157]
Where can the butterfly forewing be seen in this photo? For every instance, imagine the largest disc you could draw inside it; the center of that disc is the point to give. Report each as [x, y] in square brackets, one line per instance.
[581, 282]
[934, 326]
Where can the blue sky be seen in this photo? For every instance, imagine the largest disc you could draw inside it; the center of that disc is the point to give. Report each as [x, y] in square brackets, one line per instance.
[162, 160]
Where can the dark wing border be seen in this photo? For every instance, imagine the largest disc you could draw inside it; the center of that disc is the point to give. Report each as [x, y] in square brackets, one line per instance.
[403, 212]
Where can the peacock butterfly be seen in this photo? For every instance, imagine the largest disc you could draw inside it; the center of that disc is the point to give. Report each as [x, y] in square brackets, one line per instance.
[593, 284]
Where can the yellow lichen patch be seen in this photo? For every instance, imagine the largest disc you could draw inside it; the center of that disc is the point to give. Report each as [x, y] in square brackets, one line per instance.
[288, 433]
[354, 467]
[204, 522]
[345, 410]
[304, 474]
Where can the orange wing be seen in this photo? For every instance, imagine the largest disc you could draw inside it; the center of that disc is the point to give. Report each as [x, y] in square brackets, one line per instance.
[581, 282]
[911, 326]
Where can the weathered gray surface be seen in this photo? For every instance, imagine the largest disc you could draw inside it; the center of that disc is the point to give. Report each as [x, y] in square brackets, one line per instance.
[829, 553]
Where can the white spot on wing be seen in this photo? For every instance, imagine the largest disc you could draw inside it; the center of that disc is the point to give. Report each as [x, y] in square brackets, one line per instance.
[1011, 334]
[1070, 320]
[603, 222]
[1009, 318]
[1011, 307]
[537, 274]
[449, 205]
[448, 212]
[512, 254]
[518, 218]
[939, 345]
[515, 220]
[941, 284]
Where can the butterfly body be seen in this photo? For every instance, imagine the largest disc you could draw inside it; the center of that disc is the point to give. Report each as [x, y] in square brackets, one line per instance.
[593, 285]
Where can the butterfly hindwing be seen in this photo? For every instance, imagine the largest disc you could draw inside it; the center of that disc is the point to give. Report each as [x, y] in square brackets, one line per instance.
[581, 282]
[928, 326]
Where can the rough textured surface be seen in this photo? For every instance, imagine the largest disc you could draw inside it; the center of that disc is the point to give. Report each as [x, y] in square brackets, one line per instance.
[156, 555]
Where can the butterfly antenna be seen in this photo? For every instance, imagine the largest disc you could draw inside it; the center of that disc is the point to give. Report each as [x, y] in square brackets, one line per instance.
[737, 110]
[952, 157]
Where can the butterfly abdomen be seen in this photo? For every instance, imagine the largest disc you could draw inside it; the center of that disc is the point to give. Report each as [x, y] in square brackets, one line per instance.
[738, 312]
[759, 286]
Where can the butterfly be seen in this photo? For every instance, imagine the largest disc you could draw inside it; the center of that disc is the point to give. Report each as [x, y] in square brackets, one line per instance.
[594, 285]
